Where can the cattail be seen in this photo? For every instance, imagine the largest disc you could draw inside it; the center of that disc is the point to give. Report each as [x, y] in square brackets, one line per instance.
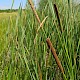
[32, 6]
[58, 18]
[54, 54]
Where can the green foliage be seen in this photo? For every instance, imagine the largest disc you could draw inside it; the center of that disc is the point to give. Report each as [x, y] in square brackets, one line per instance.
[25, 55]
[10, 10]
[42, 4]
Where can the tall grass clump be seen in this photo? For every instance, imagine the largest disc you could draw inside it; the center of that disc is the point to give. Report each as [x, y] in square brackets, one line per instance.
[25, 55]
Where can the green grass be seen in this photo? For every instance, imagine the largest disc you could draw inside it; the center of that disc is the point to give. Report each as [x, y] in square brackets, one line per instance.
[21, 59]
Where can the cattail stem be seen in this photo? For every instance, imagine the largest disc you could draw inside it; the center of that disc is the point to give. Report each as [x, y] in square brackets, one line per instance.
[32, 6]
[41, 24]
[54, 54]
[40, 73]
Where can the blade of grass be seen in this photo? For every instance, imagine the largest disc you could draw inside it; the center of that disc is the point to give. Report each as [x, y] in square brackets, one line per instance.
[41, 24]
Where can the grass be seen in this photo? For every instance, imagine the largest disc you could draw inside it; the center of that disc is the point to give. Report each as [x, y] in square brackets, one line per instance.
[24, 54]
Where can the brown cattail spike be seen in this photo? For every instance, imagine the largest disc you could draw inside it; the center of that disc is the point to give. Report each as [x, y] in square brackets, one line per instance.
[54, 54]
[58, 18]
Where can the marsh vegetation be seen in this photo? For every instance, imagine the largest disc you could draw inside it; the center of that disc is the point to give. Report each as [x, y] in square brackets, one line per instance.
[24, 54]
